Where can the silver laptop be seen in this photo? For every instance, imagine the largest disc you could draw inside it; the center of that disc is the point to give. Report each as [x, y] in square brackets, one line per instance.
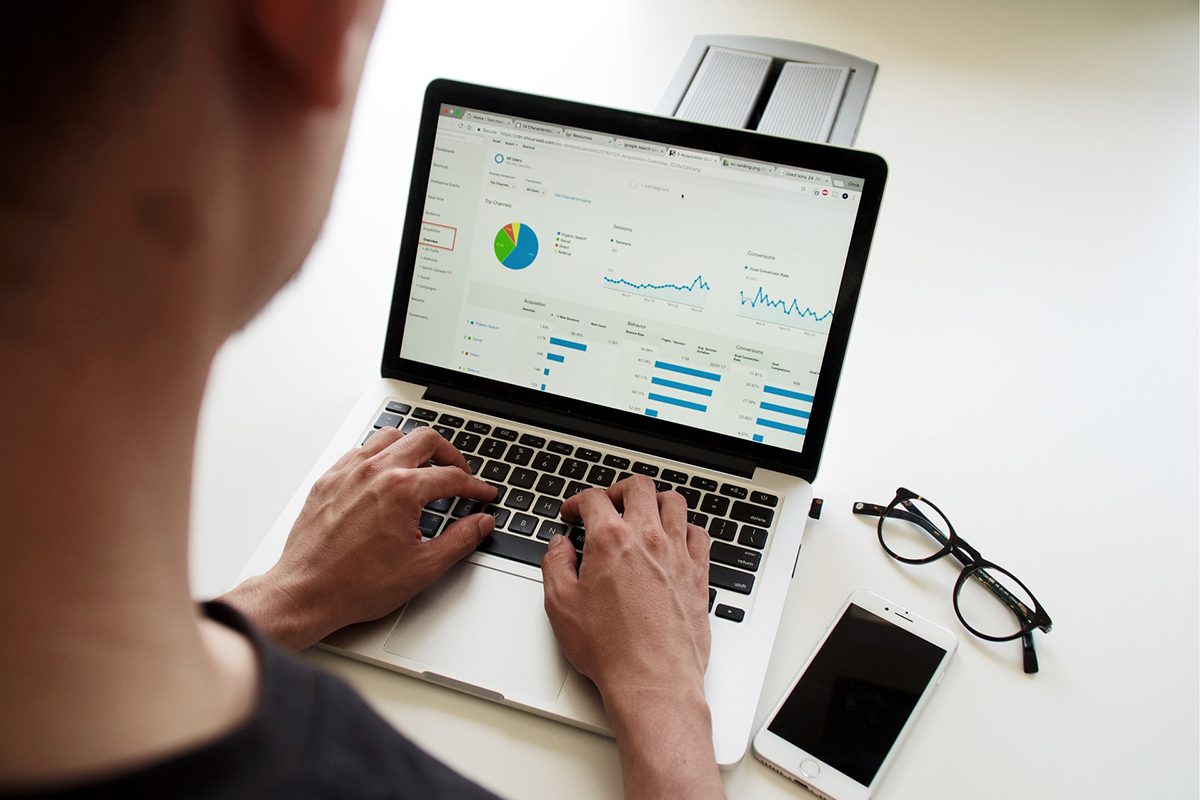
[585, 294]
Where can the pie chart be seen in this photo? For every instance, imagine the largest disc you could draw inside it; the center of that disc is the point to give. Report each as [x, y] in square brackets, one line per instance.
[516, 245]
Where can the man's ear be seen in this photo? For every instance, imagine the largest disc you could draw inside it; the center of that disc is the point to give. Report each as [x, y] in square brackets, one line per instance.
[309, 40]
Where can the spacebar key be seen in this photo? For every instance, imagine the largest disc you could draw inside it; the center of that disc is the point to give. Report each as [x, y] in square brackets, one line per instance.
[518, 548]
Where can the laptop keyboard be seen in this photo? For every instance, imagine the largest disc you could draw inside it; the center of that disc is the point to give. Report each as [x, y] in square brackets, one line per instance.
[534, 474]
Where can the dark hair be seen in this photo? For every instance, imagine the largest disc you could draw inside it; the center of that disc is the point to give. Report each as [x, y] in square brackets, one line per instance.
[53, 60]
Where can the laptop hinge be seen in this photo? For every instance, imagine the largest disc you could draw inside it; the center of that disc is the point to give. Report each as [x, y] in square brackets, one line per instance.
[587, 428]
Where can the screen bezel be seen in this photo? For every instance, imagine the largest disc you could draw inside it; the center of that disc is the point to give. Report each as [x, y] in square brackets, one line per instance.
[868, 167]
[787, 757]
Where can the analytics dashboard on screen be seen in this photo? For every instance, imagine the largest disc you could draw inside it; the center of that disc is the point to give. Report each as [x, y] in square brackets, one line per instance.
[679, 284]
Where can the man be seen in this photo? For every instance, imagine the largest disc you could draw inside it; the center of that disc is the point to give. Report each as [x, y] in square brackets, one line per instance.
[167, 166]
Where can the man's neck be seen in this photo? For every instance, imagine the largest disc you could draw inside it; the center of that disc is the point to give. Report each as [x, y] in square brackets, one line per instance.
[95, 607]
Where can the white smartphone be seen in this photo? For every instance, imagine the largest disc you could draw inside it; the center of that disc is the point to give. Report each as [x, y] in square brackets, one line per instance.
[841, 721]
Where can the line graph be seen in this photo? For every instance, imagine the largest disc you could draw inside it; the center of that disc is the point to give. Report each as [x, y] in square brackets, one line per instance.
[692, 294]
[762, 306]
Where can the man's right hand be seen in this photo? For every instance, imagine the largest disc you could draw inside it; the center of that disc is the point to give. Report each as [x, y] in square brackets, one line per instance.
[635, 620]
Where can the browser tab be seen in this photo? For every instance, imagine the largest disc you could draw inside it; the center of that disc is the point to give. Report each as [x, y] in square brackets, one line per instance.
[748, 166]
[693, 155]
[803, 175]
[537, 127]
[588, 136]
[641, 147]
[487, 119]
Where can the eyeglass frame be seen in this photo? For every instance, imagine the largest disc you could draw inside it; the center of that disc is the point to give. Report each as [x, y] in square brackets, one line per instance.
[973, 564]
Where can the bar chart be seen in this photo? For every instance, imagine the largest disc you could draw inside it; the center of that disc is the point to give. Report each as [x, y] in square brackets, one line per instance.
[681, 386]
[783, 410]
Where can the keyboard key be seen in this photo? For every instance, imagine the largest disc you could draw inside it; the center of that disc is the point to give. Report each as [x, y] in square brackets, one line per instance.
[691, 495]
[447, 433]
[703, 484]
[753, 537]
[426, 414]
[388, 420]
[641, 468]
[574, 488]
[523, 524]
[520, 499]
[500, 492]
[573, 468]
[722, 529]
[674, 476]
[764, 499]
[398, 408]
[466, 506]
[586, 454]
[756, 515]
[519, 455]
[663, 486]
[712, 595]
[441, 506]
[730, 613]
[731, 579]
[522, 478]
[451, 420]
[493, 448]
[578, 537]
[549, 506]
[429, 523]
[715, 504]
[482, 428]
[495, 471]
[412, 425]
[527, 551]
[499, 514]
[601, 476]
[562, 448]
[466, 442]
[623, 475]
[722, 553]
[550, 528]
[616, 462]
[551, 485]
[696, 518]
[546, 462]
[729, 490]
[475, 463]
[529, 440]
[507, 434]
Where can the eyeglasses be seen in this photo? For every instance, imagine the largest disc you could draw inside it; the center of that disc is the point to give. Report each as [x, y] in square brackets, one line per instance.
[990, 601]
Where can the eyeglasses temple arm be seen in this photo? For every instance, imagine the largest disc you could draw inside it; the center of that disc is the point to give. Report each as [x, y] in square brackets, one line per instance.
[1028, 653]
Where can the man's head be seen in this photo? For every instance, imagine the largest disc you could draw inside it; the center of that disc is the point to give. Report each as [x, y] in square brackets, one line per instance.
[165, 165]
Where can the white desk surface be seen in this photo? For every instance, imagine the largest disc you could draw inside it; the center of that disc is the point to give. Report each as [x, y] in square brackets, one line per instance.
[1025, 352]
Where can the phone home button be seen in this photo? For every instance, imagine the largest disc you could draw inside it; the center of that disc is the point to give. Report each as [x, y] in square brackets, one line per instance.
[809, 768]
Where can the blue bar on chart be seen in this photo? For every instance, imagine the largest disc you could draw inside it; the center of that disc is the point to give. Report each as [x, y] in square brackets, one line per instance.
[758, 437]
[546, 371]
[682, 370]
[683, 387]
[651, 412]
[555, 357]
[778, 409]
[794, 395]
[780, 426]
[675, 401]
[570, 344]
[543, 387]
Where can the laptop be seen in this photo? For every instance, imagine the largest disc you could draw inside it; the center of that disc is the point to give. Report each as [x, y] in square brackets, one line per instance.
[585, 294]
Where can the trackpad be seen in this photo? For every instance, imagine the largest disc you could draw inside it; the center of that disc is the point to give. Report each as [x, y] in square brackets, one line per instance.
[484, 627]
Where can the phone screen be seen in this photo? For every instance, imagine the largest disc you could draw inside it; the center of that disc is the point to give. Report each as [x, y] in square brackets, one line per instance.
[857, 694]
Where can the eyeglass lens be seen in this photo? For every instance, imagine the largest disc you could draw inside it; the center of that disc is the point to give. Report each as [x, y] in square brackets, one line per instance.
[993, 603]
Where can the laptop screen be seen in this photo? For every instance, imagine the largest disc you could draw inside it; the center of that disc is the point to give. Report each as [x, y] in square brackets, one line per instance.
[678, 281]
[683, 284]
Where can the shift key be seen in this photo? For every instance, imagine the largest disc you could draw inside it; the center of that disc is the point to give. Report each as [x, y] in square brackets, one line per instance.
[731, 579]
